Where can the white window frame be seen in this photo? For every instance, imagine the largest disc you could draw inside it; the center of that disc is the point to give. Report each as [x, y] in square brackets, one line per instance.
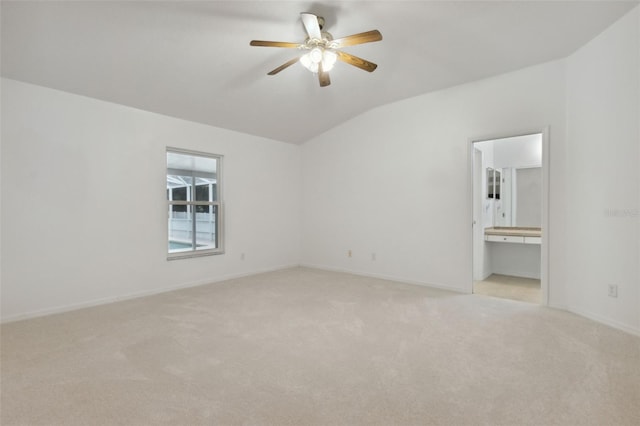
[218, 203]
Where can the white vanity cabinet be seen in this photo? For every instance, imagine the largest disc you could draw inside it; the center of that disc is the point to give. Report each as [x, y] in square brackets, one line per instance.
[504, 238]
[513, 235]
[514, 251]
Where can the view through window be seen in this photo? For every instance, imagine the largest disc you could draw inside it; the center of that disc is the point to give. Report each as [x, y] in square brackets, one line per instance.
[193, 199]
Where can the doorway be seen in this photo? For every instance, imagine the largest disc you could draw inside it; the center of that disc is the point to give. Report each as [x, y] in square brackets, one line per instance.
[510, 179]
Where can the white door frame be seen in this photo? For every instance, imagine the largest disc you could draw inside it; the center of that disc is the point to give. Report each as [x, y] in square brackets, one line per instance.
[544, 254]
[477, 213]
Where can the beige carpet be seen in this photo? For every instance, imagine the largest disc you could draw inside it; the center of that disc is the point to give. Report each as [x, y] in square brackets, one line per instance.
[308, 347]
[507, 287]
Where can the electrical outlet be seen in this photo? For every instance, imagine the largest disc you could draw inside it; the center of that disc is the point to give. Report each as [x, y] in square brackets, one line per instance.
[613, 290]
[349, 253]
[373, 257]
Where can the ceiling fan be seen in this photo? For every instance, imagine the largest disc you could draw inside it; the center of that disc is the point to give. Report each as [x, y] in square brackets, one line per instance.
[321, 49]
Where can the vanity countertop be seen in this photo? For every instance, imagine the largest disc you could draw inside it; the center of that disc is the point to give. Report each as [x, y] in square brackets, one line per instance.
[513, 231]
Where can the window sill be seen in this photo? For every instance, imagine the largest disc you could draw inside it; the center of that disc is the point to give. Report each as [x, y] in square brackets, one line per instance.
[190, 254]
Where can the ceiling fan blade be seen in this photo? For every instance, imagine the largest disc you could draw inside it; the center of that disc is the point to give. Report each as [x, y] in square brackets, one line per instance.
[352, 40]
[310, 22]
[283, 66]
[356, 62]
[323, 76]
[274, 44]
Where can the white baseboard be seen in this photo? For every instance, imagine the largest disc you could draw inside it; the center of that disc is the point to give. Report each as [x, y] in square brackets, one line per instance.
[606, 321]
[102, 301]
[518, 273]
[557, 306]
[487, 275]
[128, 296]
[594, 317]
[387, 277]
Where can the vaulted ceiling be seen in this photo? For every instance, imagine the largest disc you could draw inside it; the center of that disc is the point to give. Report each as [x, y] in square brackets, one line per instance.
[192, 60]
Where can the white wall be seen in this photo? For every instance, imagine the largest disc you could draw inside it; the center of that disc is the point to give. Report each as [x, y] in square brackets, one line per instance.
[522, 151]
[515, 259]
[603, 175]
[84, 201]
[396, 180]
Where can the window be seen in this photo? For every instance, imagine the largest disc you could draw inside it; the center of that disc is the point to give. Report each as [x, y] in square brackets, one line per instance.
[194, 205]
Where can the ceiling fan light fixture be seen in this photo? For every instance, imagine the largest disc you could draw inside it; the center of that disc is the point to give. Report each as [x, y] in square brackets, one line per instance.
[329, 60]
[316, 55]
[312, 59]
[306, 62]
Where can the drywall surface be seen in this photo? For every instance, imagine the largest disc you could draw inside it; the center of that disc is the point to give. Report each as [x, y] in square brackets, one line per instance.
[603, 175]
[396, 181]
[524, 151]
[84, 216]
[515, 259]
[529, 193]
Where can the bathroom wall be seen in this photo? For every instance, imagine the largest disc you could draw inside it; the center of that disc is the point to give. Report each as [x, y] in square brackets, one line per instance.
[527, 197]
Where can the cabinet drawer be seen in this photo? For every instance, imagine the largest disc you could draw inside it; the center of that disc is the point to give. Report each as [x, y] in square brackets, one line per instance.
[505, 239]
[532, 240]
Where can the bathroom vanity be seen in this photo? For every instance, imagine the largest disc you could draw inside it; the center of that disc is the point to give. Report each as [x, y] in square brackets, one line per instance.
[514, 251]
[513, 234]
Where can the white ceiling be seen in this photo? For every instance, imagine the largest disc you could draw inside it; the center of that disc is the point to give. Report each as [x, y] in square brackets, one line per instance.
[192, 60]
